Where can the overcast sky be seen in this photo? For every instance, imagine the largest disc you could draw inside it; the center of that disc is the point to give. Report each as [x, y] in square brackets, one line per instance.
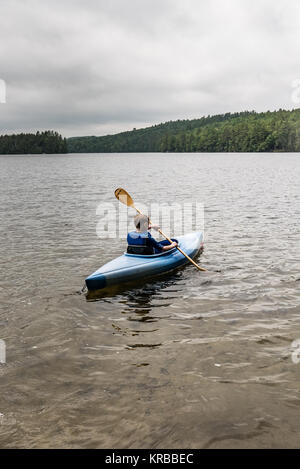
[93, 67]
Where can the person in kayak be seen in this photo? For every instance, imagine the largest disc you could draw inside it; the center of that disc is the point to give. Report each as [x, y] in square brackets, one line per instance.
[141, 241]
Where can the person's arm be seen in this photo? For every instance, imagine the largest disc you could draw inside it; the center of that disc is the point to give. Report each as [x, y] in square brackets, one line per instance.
[169, 246]
[158, 246]
[154, 227]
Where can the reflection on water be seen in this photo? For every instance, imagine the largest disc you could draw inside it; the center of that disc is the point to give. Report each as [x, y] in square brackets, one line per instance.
[189, 359]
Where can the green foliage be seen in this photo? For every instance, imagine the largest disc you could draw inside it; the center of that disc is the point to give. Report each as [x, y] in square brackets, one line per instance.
[41, 142]
[239, 132]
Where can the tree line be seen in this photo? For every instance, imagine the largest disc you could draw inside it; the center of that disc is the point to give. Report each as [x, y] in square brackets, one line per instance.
[231, 132]
[38, 143]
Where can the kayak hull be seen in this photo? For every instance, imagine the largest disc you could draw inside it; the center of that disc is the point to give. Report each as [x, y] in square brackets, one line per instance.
[130, 267]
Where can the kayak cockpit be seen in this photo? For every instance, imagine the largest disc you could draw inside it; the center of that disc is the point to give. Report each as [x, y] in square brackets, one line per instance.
[150, 256]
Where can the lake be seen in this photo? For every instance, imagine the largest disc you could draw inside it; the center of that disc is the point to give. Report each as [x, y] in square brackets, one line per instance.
[192, 360]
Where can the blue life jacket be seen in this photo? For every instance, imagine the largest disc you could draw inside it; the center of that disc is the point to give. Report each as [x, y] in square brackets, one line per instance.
[139, 243]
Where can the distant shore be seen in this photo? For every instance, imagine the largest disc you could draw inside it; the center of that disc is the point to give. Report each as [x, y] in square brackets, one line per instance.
[244, 132]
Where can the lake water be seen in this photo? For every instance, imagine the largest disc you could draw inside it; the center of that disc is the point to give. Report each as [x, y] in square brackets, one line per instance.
[193, 360]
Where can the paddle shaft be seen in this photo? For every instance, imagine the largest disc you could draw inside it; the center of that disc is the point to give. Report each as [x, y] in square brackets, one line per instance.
[177, 247]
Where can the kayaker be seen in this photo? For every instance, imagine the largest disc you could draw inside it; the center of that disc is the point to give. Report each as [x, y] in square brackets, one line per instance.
[141, 241]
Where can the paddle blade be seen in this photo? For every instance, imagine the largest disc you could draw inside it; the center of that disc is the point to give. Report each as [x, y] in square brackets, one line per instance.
[124, 197]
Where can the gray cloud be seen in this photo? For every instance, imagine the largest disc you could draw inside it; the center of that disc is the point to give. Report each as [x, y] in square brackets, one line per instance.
[99, 66]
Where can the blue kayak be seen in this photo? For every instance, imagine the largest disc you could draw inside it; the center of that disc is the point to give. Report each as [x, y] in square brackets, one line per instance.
[130, 267]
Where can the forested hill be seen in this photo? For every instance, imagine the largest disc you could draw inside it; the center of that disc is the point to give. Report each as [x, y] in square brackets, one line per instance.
[40, 142]
[239, 132]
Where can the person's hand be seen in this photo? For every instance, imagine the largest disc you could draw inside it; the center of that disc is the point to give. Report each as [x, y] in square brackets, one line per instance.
[174, 244]
[155, 227]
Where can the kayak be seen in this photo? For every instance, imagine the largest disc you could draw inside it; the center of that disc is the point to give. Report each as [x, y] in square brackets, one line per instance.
[130, 267]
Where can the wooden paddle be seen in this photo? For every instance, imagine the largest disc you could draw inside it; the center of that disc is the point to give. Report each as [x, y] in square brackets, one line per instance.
[125, 199]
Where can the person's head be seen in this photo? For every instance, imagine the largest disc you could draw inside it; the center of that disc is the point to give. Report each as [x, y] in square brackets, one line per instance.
[141, 222]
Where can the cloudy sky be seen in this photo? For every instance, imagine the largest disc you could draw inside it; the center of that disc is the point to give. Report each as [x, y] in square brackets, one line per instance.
[92, 67]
